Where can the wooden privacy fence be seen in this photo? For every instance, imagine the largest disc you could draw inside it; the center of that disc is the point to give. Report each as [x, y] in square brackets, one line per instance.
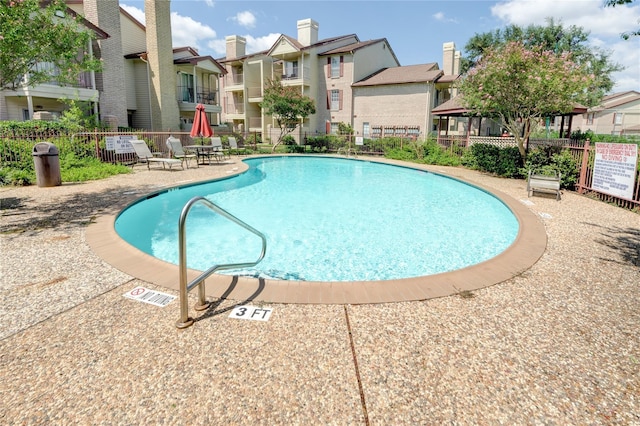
[581, 151]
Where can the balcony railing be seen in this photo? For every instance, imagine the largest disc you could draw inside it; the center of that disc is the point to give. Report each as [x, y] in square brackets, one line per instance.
[234, 79]
[185, 94]
[235, 109]
[83, 80]
[255, 122]
[255, 92]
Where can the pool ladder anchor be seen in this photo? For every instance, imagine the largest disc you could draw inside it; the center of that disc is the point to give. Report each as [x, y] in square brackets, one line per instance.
[202, 304]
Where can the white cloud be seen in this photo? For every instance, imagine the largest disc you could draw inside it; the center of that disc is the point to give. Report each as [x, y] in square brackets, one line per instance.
[254, 44]
[588, 14]
[245, 19]
[605, 25]
[257, 44]
[184, 30]
[187, 32]
[218, 46]
[135, 12]
[439, 16]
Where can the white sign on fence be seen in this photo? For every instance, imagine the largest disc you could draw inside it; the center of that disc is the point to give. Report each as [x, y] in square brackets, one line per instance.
[111, 142]
[614, 169]
[122, 144]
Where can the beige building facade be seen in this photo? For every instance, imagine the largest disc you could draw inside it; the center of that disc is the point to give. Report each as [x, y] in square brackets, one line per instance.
[145, 83]
[617, 114]
[360, 83]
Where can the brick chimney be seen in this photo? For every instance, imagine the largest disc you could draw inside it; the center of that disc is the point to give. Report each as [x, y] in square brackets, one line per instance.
[236, 46]
[111, 81]
[165, 113]
[307, 32]
[450, 59]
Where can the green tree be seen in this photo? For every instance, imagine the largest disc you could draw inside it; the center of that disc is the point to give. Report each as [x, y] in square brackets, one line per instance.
[34, 32]
[287, 105]
[614, 3]
[558, 39]
[522, 86]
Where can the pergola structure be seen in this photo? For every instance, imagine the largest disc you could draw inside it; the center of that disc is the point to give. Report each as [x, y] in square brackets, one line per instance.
[454, 108]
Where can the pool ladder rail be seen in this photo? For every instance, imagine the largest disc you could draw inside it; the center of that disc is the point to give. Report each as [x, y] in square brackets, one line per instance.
[185, 320]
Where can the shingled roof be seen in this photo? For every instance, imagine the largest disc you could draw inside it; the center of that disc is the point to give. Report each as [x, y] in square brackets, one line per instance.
[351, 47]
[423, 73]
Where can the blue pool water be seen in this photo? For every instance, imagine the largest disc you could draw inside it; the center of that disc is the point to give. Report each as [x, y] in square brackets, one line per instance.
[328, 219]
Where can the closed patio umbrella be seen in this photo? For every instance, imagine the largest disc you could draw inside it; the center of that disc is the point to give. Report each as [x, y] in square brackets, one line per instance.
[201, 125]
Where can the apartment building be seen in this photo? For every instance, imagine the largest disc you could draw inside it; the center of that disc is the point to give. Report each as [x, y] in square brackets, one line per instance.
[360, 83]
[27, 102]
[145, 82]
[617, 114]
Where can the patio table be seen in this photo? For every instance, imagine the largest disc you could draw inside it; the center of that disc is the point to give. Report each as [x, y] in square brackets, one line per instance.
[205, 151]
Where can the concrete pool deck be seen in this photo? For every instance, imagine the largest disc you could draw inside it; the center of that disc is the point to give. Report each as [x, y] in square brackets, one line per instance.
[556, 344]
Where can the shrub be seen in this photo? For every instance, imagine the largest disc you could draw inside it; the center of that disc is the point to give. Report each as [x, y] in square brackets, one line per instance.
[435, 154]
[400, 154]
[505, 162]
[76, 169]
[549, 162]
[291, 146]
[17, 177]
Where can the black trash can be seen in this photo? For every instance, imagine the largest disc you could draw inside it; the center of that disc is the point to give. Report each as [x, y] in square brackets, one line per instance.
[46, 161]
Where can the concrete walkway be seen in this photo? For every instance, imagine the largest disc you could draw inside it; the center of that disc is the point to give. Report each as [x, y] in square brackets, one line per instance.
[557, 344]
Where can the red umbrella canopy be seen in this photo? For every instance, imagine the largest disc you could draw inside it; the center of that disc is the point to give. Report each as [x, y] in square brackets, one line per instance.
[201, 125]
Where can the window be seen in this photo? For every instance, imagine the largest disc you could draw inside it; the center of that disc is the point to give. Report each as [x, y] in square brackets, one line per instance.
[617, 118]
[335, 66]
[291, 69]
[334, 100]
[334, 128]
[590, 118]
[366, 130]
[186, 88]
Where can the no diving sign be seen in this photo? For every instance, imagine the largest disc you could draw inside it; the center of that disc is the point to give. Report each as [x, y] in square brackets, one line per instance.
[152, 297]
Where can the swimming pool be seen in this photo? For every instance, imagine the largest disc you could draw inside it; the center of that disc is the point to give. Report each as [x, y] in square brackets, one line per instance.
[328, 219]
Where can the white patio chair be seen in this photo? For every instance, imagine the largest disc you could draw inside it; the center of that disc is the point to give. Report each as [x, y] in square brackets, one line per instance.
[175, 147]
[145, 155]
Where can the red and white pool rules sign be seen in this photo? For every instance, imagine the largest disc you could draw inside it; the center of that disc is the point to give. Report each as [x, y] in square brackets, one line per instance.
[614, 169]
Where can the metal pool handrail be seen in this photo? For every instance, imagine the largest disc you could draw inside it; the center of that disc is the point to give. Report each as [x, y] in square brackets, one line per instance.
[185, 320]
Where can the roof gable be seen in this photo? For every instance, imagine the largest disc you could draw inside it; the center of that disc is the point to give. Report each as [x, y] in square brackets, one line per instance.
[424, 73]
[285, 44]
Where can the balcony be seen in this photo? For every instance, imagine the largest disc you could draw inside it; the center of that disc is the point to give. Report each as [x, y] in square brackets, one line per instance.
[255, 94]
[291, 76]
[255, 123]
[186, 95]
[235, 109]
[234, 81]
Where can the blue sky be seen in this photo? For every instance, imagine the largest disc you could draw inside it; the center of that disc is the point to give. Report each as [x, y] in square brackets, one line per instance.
[415, 29]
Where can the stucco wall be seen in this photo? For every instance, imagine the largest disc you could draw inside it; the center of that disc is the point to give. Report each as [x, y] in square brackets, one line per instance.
[396, 105]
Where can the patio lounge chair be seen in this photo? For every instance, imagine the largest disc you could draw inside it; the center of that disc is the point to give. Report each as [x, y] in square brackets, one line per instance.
[145, 156]
[176, 149]
[233, 145]
[218, 150]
